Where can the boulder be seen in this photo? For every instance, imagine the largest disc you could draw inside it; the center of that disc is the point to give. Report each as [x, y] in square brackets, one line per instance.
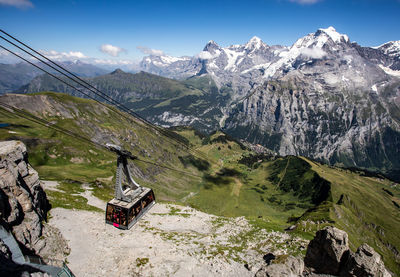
[364, 263]
[290, 268]
[326, 251]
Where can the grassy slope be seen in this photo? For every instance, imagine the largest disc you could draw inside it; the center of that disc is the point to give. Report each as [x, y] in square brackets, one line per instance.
[59, 157]
[263, 190]
[280, 190]
[151, 95]
[363, 207]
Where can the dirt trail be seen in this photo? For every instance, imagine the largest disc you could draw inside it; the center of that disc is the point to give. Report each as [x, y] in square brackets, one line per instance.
[236, 187]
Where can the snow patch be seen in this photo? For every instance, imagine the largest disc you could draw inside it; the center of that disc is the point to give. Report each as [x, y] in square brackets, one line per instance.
[170, 59]
[374, 88]
[335, 36]
[256, 67]
[232, 57]
[390, 71]
[254, 43]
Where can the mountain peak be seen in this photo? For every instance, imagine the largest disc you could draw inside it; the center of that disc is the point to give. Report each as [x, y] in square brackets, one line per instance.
[211, 46]
[391, 48]
[333, 34]
[117, 71]
[254, 43]
[255, 39]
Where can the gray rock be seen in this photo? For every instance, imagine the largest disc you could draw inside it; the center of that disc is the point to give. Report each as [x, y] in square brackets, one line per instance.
[365, 262]
[325, 251]
[23, 204]
[291, 268]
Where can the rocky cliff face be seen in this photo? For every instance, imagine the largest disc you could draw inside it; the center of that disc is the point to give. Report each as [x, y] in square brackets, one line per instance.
[23, 202]
[24, 205]
[327, 100]
[298, 115]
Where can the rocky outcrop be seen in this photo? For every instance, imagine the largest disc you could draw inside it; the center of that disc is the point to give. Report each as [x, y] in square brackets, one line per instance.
[328, 254]
[23, 202]
[365, 262]
[325, 251]
[23, 211]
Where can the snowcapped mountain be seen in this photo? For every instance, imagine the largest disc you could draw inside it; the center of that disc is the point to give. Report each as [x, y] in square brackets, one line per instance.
[391, 48]
[244, 67]
[323, 97]
[168, 66]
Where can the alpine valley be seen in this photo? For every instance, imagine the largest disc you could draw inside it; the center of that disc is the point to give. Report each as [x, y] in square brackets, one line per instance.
[324, 97]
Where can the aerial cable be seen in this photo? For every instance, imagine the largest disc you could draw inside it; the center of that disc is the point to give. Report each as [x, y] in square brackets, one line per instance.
[40, 121]
[81, 80]
[102, 94]
[101, 103]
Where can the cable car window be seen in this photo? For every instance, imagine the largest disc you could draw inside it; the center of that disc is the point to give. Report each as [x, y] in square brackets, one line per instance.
[138, 209]
[109, 213]
[131, 214]
[123, 217]
[147, 199]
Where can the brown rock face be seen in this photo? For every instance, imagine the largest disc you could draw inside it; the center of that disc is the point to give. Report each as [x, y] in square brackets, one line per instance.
[325, 251]
[23, 202]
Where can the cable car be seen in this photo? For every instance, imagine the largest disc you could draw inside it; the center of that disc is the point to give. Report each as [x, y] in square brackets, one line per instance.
[129, 204]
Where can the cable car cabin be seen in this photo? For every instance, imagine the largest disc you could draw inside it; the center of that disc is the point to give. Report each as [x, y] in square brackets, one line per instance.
[124, 215]
[129, 204]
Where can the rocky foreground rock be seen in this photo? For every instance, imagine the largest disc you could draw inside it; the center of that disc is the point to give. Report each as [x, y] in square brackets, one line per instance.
[23, 210]
[23, 204]
[328, 254]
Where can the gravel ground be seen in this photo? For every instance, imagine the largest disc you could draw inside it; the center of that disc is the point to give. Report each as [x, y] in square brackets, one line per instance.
[169, 240]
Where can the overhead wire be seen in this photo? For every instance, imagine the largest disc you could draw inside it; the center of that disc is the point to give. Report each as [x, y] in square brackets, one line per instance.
[45, 123]
[88, 95]
[91, 88]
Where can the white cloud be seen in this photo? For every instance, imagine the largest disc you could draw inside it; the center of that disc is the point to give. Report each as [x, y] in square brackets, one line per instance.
[205, 55]
[62, 56]
[314, 53]
[112, 62]
[303, 2]
[149, 51]
[6, 57]
[21, 4]
[4, 53]
[111, 50]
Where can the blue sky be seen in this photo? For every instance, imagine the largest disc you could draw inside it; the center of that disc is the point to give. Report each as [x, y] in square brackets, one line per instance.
[183, 27]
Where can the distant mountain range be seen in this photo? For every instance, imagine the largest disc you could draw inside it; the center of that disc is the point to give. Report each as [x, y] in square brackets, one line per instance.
[13, 76]
[324, 97]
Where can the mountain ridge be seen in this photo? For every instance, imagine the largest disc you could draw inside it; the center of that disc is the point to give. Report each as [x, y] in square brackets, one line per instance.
[337, 101]
[272, 192]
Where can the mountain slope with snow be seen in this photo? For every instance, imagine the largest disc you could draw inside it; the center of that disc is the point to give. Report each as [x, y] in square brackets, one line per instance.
[324, 97]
